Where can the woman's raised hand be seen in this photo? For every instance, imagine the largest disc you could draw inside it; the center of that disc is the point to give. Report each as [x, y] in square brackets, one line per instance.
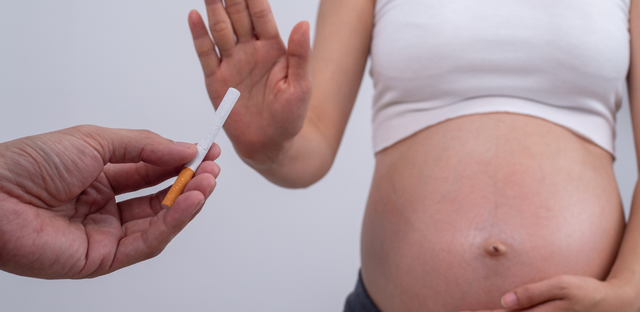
[274, 79]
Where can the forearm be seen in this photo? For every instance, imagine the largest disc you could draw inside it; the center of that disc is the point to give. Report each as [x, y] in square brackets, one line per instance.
[626, 269]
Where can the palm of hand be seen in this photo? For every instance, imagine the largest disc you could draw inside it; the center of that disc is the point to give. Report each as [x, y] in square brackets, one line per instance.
[274, 82]
[258, 70]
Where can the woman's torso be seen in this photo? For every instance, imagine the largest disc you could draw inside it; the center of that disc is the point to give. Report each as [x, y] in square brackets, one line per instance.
[465, 211]
[479, 203]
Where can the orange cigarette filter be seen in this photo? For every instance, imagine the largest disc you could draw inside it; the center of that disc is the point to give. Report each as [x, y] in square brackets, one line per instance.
[203, 146]
[178, 187]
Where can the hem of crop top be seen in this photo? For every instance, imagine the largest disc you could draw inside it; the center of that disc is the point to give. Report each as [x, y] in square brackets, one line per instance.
[401, 122]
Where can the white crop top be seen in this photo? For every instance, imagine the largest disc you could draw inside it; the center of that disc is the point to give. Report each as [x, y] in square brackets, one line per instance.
[561, 60]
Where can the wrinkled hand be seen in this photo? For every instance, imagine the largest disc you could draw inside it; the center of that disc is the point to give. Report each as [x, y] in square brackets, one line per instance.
[58, 213]
[274, 80]
[569, 293]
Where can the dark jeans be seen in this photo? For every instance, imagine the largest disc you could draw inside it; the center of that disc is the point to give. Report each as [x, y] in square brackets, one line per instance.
[359, 300]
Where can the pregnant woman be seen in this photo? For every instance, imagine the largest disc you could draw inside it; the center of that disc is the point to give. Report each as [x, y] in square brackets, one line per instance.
[493, 131]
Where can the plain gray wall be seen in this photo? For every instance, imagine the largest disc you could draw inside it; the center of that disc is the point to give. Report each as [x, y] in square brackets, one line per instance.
[255, 246]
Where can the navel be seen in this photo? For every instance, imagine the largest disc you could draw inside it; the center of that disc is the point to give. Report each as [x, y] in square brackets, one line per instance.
[495, 248]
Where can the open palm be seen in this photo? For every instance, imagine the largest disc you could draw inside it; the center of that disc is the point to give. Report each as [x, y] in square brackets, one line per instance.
[251, 57]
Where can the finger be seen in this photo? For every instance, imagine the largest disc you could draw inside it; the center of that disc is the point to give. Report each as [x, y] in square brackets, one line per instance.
[139, 219]
[534, 294]
[132, 146]
[240, 19]
[264, 24]
[205, 181]
[210, 168]
[551, 306]
[103, 232]
[149, 242]
[149, 206]
[298, 54]
[205, 48]
[136, 226]
[125, 178]
[205, 184]
[213, 153]
[220, 27]
[142, 207]
[190, 204]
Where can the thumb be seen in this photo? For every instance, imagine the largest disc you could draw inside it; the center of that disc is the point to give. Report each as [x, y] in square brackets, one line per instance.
[132, 146]
[527, 296]
[298, 53]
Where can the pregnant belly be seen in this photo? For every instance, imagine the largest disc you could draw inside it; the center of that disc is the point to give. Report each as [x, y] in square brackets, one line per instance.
[469, 209]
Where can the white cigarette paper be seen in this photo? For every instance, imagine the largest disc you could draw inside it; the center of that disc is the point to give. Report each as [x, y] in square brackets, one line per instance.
[219, 118]
[203, 146]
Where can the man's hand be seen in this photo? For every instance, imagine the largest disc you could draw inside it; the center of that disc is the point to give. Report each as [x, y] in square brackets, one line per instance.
[58, 214]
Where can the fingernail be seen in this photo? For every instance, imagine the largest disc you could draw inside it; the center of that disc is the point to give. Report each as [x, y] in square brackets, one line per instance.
[195, 212]
[509, 300]
[188, 146]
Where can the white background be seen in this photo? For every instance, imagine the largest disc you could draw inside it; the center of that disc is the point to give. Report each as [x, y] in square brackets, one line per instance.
[255, 246]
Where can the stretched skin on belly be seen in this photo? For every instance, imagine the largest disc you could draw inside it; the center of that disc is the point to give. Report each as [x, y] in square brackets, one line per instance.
[466, 210]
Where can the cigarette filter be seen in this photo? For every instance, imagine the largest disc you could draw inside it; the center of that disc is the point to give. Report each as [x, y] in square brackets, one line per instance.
[203, 146]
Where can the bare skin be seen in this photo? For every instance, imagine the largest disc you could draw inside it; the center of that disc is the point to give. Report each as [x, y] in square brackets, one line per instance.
[449, 226]
[58, 213]
[452, 227]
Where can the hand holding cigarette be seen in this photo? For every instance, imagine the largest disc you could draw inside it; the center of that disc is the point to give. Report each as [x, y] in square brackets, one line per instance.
[223, 111]
[58, 213]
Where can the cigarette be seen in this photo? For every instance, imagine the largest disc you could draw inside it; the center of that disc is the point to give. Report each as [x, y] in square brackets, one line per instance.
[203, 146]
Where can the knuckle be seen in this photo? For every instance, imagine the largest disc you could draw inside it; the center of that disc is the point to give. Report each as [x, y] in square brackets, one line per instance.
[206, 52]
[220, 26]
[146, 133]
[212, 2]
[145, 136]
[85, 128]
[152, 247]
[155, 253]
[144, 175]
[261, 13]
[563, 285]
[87, 132]
[525, 294]
[96, 137]
[204, 48]
[237, 8]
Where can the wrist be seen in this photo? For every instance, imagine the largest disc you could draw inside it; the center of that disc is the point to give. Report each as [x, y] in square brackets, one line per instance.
[263, 157]
[625, 292]
[297, 163]
[282, 166]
